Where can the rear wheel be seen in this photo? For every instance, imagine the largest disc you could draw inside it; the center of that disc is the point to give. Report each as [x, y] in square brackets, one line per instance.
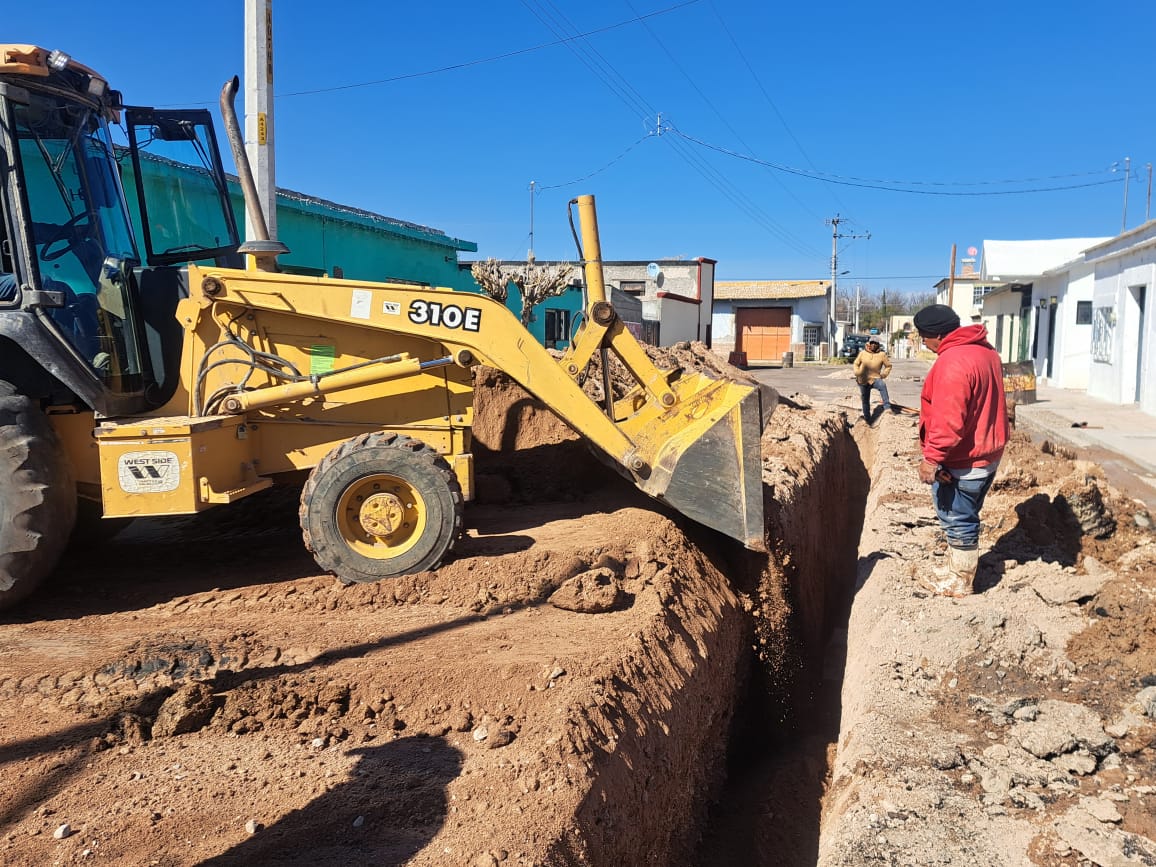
[381, 505]
[37, 497]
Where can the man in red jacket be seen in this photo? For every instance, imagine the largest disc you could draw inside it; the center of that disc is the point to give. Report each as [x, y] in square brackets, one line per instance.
[963, 429]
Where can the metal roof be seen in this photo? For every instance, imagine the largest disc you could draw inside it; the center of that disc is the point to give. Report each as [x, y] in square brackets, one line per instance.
[1007, 260]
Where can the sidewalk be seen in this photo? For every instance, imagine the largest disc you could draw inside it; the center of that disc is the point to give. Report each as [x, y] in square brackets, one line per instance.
[1124, 430]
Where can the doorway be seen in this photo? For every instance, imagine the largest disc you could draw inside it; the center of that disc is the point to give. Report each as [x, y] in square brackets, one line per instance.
[1137, 296]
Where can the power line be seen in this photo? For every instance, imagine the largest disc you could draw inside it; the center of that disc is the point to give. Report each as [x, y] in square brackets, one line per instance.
[541, 188]
[718, 114]
[879, 185]
[557, 22]
[468, 63]
[766, 95]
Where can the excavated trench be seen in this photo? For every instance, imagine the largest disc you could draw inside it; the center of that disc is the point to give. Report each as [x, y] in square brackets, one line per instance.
[787, 721]
[761, 802]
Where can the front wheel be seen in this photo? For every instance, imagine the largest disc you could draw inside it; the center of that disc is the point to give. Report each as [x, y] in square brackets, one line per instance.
[380, 505]
[37, 497]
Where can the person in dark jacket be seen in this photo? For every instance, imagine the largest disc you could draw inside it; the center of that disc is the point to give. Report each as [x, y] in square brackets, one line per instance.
[963, 429]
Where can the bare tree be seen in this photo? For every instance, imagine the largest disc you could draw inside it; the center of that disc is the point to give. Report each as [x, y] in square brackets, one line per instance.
[490, 276]
[537, 284]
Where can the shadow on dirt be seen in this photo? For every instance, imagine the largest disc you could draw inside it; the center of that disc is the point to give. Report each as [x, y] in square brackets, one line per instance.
[257, 542]
[393, 806]
[71, 748]
[1045, 529]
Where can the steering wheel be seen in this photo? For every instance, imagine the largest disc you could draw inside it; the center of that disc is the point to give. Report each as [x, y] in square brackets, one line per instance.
[77, 227]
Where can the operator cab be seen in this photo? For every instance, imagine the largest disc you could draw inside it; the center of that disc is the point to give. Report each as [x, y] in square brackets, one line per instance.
[80, 300]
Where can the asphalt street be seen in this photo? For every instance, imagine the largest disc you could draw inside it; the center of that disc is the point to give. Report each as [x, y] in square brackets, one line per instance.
[1120, 438]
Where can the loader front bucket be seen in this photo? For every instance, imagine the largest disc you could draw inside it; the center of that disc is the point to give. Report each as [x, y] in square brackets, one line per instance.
[709, 463]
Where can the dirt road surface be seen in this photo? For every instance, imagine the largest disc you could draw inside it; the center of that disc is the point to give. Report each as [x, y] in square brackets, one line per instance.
[580, 682]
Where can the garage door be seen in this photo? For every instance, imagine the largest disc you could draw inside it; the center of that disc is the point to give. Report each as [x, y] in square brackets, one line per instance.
[764, 333]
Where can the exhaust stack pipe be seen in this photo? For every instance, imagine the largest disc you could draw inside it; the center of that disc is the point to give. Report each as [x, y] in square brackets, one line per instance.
[263, 251]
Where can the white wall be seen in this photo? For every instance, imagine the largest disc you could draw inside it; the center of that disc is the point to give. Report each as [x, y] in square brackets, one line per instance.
[1125, 372]
[706, 294]
[1007, 306]
[722, 324]
[1073, 348]
[678, 320]
[807, 311]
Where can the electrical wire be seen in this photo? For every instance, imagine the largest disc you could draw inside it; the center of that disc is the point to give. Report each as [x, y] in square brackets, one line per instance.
[836, 179]
[453, 67]
[758, 81]
[540, 188]
[604, 70]
[710, 104]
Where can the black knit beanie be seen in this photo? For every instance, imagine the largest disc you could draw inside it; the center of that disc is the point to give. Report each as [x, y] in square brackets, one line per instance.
[936, 320]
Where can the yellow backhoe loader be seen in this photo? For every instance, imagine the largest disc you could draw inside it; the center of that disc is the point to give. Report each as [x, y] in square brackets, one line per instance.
[199, 374]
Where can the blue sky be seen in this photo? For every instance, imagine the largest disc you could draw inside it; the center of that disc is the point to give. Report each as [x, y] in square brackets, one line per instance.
[919, 96]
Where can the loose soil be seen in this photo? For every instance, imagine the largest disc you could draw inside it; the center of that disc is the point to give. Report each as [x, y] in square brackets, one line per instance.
[574, 686]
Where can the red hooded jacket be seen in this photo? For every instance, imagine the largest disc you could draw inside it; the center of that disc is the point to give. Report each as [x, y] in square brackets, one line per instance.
[963, 413]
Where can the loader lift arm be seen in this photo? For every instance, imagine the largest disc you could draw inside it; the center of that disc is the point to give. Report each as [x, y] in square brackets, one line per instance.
[681, 437]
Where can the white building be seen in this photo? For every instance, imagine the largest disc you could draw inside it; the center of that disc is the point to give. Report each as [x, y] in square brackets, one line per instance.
[1037, 305]
[1123, 335]
[965, 295]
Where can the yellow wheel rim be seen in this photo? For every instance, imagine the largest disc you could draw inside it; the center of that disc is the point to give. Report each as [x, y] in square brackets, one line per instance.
[381, 516]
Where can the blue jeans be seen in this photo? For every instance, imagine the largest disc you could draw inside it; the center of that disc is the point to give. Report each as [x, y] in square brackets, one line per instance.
[957, 504]
[865, 393]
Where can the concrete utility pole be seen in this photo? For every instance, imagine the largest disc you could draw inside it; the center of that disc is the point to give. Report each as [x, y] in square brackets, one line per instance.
[530, 254]
[835, 236]
[1127, 177]
[259, 109]
[1148, 206]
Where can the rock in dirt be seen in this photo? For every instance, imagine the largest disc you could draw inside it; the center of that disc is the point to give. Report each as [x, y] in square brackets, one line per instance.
[188, 709]
[1083, 496]
[1101, 809]
[1064, 587]
[1146, 698]
[1103, 843]
[500, 738]
[1061, 728]
[63, 831]
[593, 592]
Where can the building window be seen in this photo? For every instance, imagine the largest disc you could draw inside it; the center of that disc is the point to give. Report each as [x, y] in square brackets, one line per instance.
[1103, 334]
[557, 327]
[977, 293]
[1083, 312]
[633, 287]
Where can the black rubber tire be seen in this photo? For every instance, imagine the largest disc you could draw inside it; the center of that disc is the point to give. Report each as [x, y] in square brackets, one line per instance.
[406, 459]
[37, 497]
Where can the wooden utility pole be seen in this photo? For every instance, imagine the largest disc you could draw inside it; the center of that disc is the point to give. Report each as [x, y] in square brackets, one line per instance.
[259, 109]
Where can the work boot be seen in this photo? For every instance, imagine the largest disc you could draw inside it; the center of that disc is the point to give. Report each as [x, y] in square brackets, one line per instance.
[959, 576]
